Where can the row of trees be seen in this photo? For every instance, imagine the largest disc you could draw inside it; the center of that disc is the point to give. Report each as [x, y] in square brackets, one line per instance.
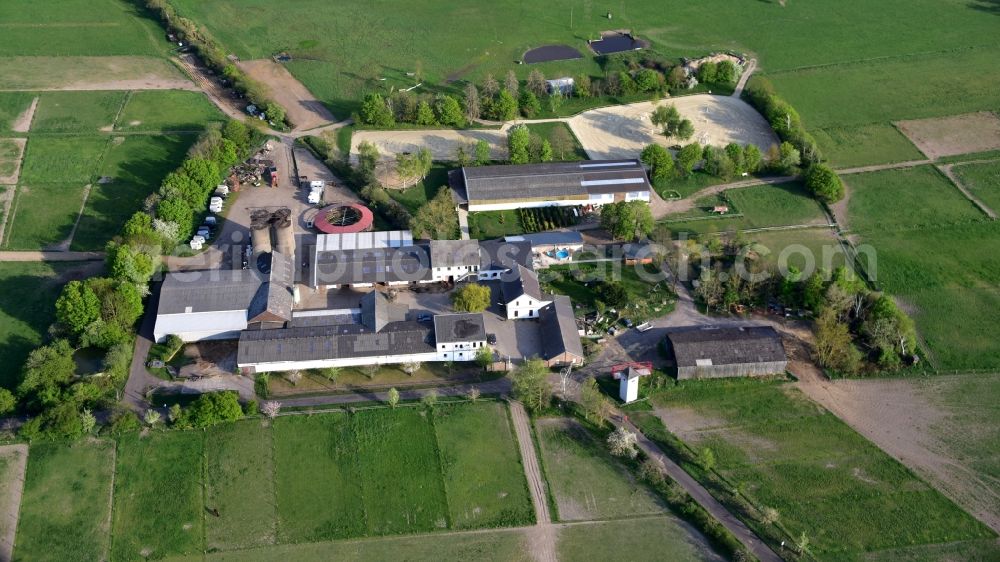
[215, 57]
[524, 147]
[726, 163]
[407, 107]
[784, 119]
[101, 312]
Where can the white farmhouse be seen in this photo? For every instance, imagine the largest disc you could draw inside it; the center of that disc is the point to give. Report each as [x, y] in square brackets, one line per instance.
[522, 295]
[459, 336]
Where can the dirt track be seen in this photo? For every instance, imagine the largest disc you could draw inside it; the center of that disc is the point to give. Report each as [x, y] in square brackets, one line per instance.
[11, 489]
[23, 122]
[12, 178]
[303, 109]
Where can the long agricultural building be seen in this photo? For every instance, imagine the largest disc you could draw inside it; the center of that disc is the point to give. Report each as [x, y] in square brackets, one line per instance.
[746, 351]
[589, 183]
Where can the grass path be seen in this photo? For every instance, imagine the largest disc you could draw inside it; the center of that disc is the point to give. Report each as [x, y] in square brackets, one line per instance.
[11, 490]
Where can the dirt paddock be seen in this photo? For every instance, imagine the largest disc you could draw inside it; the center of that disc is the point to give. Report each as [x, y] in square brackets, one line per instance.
[948, 136]
[443, 143]
[303, 109]
[913, 421]
[623, 131]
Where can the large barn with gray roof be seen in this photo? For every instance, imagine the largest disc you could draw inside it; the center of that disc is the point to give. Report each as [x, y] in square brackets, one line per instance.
[586, 183]
[710, 352]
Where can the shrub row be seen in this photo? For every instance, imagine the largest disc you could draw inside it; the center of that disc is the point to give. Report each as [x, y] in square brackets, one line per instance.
[783, 118]
[546, 218]
[214, 57]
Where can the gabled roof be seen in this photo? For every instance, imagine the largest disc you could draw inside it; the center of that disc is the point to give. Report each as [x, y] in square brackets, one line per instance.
[523, 282]
[274, 302]
[559, 331]
[726, 346]
[454, 253]
[208, 291]
[553, 179]
[459, 328]
[377, 311]
[498, 254]
[333, 342]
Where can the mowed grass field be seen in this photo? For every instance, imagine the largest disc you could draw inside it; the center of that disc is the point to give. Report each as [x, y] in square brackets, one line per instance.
[77, 28]
[361, 44]
[982, 180]
[256, 484]
[761, 206]
[66, 507]
[906, 199]
[929, 243]
[948, 279]
[77, 137]
[27, 293]
[824, 479]
[640, 539]
[850, 107]
[586, 481]
[12, 105]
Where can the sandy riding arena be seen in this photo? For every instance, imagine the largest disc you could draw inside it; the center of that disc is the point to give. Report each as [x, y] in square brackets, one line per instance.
[948, 136]
[13, 462]
[443, 143]
[303, 109]
[623, 131]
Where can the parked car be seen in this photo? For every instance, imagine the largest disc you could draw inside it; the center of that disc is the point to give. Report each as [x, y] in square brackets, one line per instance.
[424, 317]
[491, 339]
[645, 326]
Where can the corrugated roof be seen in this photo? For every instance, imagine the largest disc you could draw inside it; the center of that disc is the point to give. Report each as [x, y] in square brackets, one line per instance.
[553, 179]
[377, 311]
[497, 254]
[376, 265]
[333, 342]
[453, 328]
[208, 291]
[727, 346]
[454, 253]
[559, 331]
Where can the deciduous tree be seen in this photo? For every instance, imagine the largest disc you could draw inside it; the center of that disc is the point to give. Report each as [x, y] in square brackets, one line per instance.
[659, 160]
[531, 385]
[471, 297]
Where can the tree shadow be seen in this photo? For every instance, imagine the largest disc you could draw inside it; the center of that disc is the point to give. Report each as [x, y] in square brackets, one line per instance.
[987, 6]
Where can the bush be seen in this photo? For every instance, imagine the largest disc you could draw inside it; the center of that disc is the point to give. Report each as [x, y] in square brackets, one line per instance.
[211, 409]
[824, 183]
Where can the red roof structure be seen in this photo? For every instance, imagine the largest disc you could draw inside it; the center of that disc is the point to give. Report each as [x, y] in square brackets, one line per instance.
[344, 218]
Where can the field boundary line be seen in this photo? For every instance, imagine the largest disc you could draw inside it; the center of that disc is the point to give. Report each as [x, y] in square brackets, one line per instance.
[440, 458]
[6, 201]
[946, 171]
[111, 498]
[64, 246]
[121, 108]
[9, 218]
[883, 58]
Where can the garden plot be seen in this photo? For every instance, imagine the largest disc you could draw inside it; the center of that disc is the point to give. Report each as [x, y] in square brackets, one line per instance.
[11, 151]
[587, 482]
[623, 131]
[442, 143]
[948, 136]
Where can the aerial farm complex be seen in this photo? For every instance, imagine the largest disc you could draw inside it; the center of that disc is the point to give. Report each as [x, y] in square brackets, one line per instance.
[499, 281]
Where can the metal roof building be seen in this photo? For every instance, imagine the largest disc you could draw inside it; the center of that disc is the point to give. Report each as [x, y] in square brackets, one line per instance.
[708, 352]
[560, 335]
[590, 182]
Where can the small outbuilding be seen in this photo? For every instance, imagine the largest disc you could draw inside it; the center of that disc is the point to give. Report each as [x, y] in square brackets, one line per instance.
[710, 352]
